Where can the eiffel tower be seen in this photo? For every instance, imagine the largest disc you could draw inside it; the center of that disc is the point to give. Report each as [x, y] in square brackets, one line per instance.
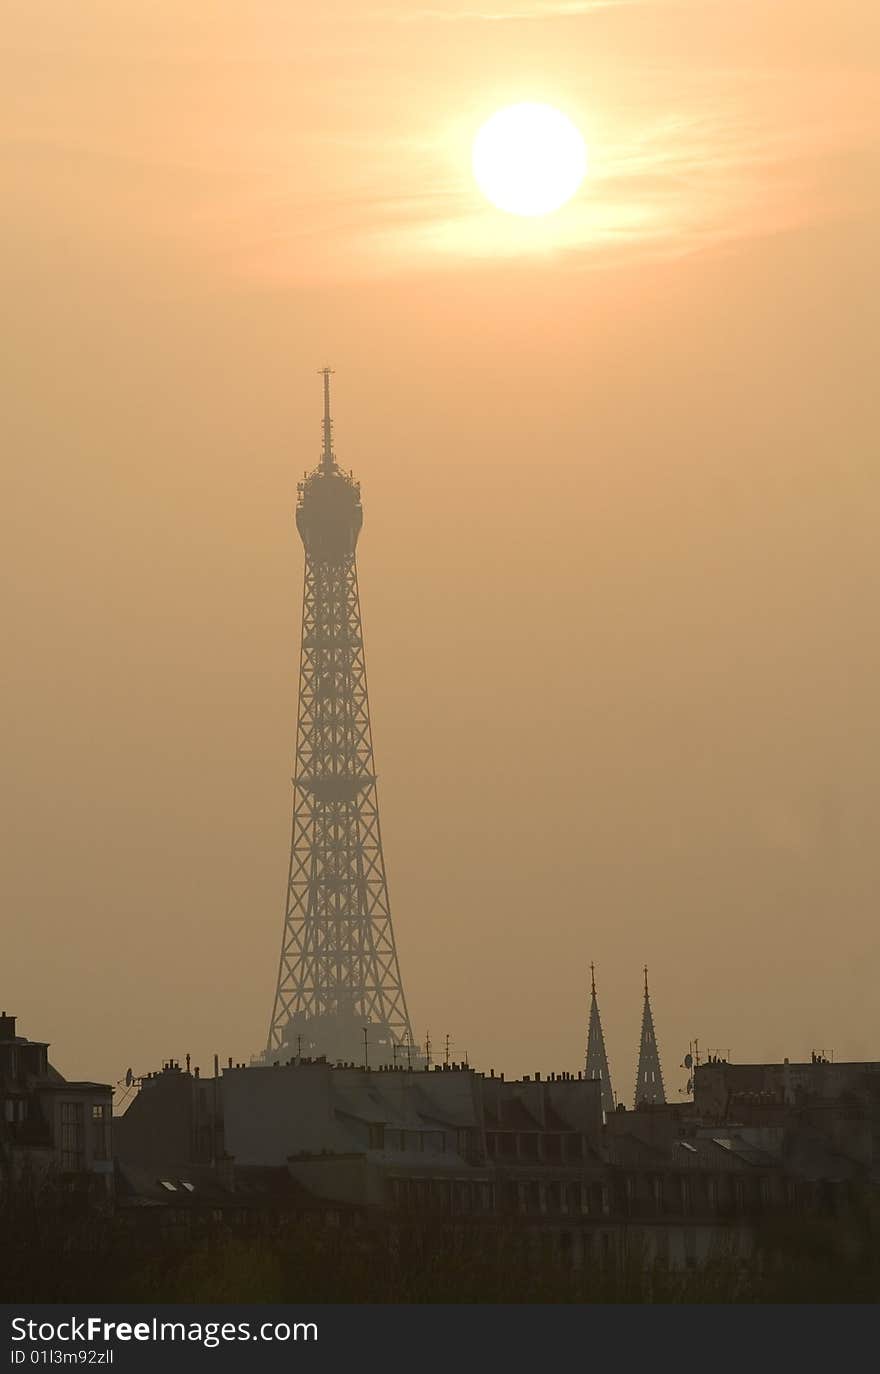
[339, 991]
[597, 1059]
[649, 1077]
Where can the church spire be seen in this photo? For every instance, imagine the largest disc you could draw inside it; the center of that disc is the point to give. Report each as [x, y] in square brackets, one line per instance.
[597, 1059]
[649, 1079]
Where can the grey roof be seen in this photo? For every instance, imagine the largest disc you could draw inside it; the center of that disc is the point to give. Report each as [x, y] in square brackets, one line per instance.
[195, 1185]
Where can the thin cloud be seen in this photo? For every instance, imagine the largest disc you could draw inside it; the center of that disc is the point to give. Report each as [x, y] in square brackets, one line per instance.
[685, 183]
[556, 9]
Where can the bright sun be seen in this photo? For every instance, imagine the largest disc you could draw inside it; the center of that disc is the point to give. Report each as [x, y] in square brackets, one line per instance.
[529, 159]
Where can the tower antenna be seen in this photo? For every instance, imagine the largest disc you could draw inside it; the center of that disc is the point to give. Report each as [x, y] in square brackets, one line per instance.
[327, 458]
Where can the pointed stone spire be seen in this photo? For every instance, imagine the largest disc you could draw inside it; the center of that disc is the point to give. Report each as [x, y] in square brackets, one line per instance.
[649, 1079]
[597, 1059]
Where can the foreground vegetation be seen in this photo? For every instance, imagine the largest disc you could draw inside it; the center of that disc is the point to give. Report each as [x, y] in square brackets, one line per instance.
[65, 1253]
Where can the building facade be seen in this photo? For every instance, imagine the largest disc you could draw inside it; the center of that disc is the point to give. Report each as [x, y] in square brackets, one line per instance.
[666, 1183]
[52, 1132]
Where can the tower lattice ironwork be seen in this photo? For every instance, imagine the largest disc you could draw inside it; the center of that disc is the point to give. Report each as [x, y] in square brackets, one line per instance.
[339, 989]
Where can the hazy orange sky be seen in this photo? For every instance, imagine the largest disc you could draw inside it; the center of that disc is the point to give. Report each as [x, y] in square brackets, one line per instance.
[619, 568]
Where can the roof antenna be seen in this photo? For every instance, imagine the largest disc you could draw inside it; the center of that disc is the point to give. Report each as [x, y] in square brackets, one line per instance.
[327, 458]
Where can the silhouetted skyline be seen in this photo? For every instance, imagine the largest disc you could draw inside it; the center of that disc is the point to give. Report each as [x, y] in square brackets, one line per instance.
[619, 569]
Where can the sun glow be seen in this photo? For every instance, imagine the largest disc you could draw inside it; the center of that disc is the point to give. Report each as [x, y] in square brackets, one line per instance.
[529, 159]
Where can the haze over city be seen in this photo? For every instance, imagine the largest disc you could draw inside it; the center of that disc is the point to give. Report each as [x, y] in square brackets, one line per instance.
[619, 562]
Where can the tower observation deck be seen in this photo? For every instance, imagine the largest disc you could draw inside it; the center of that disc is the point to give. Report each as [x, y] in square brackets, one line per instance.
[338, 975]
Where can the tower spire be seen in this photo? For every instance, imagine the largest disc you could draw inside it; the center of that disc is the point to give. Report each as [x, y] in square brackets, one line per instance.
[597, 1059]
[649, 1077]
[327, 456]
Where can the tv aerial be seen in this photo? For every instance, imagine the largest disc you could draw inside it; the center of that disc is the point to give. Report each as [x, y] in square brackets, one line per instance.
[690, 1061]
[131, 1081]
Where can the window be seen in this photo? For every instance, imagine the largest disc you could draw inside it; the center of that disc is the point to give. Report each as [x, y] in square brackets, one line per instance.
[464, 1143]
[100, 1130]
[72, 1136]
[574, 1147]
[528, 1144]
